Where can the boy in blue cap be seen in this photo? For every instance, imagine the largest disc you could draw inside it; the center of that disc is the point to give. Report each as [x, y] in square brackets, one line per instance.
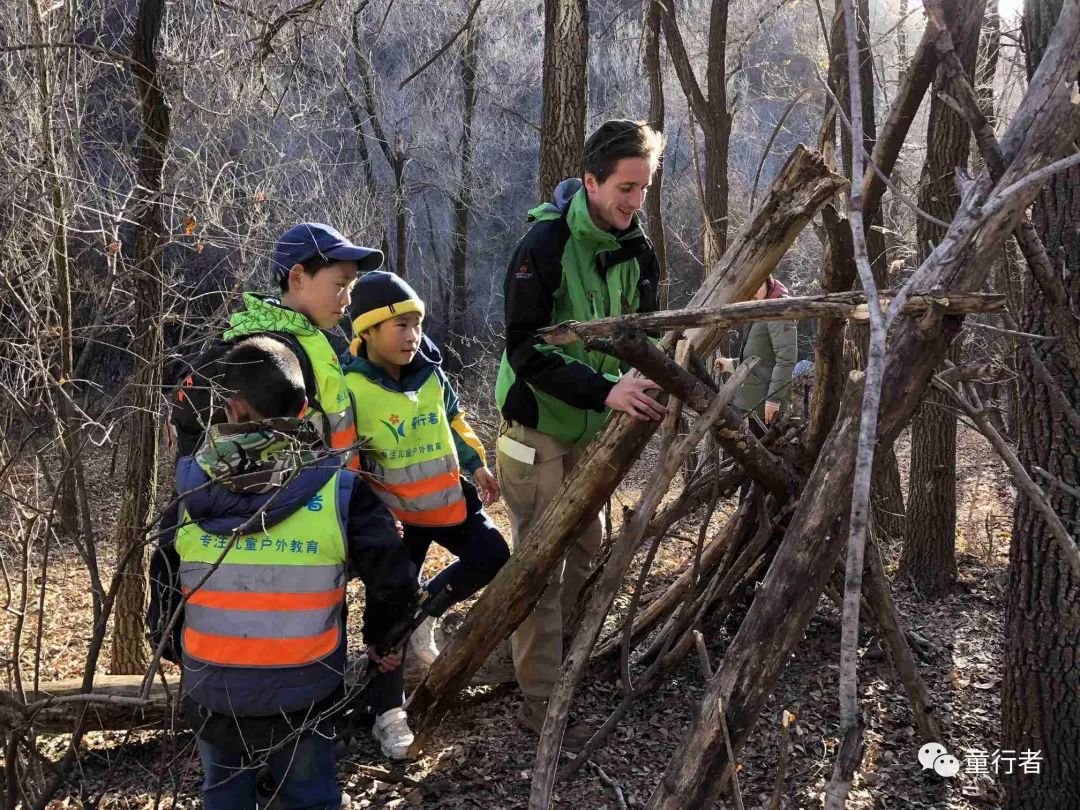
[315, 267]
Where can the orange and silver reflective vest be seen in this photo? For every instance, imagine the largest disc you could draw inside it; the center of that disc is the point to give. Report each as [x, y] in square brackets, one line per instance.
[337, 424]
[407, 451]
[276, 598]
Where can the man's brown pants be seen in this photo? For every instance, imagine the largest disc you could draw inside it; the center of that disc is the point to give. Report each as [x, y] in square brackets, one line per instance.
[527, 490]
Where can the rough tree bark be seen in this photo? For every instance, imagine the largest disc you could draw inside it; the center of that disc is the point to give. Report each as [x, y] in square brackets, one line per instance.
[1041, 698]
[459, 282]
[709, 106]
[929, 555]
[566, 96]
[129, 650]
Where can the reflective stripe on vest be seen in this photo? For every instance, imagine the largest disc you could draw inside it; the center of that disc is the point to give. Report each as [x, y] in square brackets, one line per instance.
[276, 598]
[339, 430]
[409, 457]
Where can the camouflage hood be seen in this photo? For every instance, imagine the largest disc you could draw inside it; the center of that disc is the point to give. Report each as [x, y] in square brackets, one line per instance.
[257, 457]
[265, 468]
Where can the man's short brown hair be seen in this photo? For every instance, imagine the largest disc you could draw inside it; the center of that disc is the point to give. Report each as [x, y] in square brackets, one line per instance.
[618, 139]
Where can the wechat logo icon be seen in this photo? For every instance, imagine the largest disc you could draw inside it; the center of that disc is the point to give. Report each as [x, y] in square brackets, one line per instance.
[934, 757]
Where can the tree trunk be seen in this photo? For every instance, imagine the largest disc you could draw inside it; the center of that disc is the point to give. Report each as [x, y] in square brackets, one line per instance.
[459, 283]
[401, 210]
[566, 96]
[1041, 698]
[929, 556]
[717, 134]
[654, 211]
[710, 108]
[129, 650]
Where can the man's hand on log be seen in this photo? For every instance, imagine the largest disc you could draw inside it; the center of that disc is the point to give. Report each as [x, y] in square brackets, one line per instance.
[772, 409]
[629, 396]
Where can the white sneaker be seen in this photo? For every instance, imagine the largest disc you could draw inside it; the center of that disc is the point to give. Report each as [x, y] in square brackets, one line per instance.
[422, 643]
[392, 731]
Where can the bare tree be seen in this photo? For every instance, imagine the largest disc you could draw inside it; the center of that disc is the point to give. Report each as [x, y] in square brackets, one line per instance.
[462, 201]
[929, 556]
[654, 209]
[129, 651]
[710, 107]
[566, 96]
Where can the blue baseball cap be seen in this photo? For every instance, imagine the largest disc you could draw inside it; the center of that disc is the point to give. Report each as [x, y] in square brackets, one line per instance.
[305, 241]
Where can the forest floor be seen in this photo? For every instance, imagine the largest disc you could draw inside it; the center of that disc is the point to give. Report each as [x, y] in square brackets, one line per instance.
[481, 758]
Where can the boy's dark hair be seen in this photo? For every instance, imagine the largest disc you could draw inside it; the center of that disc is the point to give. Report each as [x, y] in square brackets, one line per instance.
[265, 373]
[311, 267]
[618, 139]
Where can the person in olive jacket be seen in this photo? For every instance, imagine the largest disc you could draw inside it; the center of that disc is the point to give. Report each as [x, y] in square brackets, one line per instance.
[767, 391]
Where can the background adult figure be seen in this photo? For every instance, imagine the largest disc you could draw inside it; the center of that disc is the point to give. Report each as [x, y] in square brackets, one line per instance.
[585, 257]
[767, 390]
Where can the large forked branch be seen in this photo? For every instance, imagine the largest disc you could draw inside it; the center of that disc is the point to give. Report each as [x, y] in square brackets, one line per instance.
[801, 188]
[851, 305]
[1040, 130]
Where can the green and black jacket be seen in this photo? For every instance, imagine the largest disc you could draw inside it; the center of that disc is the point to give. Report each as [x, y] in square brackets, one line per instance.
[566, 268]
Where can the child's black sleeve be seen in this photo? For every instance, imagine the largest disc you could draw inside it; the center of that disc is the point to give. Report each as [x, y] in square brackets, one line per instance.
[165, 586]
[379, 558]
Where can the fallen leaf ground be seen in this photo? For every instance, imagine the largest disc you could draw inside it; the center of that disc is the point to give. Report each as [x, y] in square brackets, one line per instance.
[481, 758]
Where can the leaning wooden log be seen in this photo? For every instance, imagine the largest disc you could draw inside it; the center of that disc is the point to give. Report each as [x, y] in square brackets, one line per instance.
[777, 619]
[632, 347]
[695, 495]
[802, 186]
[115, 703]
[622, 553]
[663, 606]
[849, 305]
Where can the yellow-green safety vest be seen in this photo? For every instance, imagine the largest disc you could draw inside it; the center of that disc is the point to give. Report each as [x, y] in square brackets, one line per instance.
[407, 451]
[334, 399]
[276, 598]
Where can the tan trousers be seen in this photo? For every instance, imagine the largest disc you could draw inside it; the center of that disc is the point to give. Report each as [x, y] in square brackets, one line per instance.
[527, 490]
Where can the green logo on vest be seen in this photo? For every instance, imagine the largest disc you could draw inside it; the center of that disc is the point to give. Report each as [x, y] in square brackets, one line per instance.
[395, 426]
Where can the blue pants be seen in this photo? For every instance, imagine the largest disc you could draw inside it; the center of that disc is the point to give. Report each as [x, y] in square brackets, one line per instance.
[303, 769]
[481, 551]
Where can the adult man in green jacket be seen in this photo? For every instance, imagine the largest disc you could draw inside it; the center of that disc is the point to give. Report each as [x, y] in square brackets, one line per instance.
[585, 257]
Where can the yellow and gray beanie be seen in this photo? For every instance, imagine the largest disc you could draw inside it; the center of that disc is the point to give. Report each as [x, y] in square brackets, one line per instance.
[379, 296]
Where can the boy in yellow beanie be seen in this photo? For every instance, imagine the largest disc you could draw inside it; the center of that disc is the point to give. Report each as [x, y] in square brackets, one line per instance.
[414, 443]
